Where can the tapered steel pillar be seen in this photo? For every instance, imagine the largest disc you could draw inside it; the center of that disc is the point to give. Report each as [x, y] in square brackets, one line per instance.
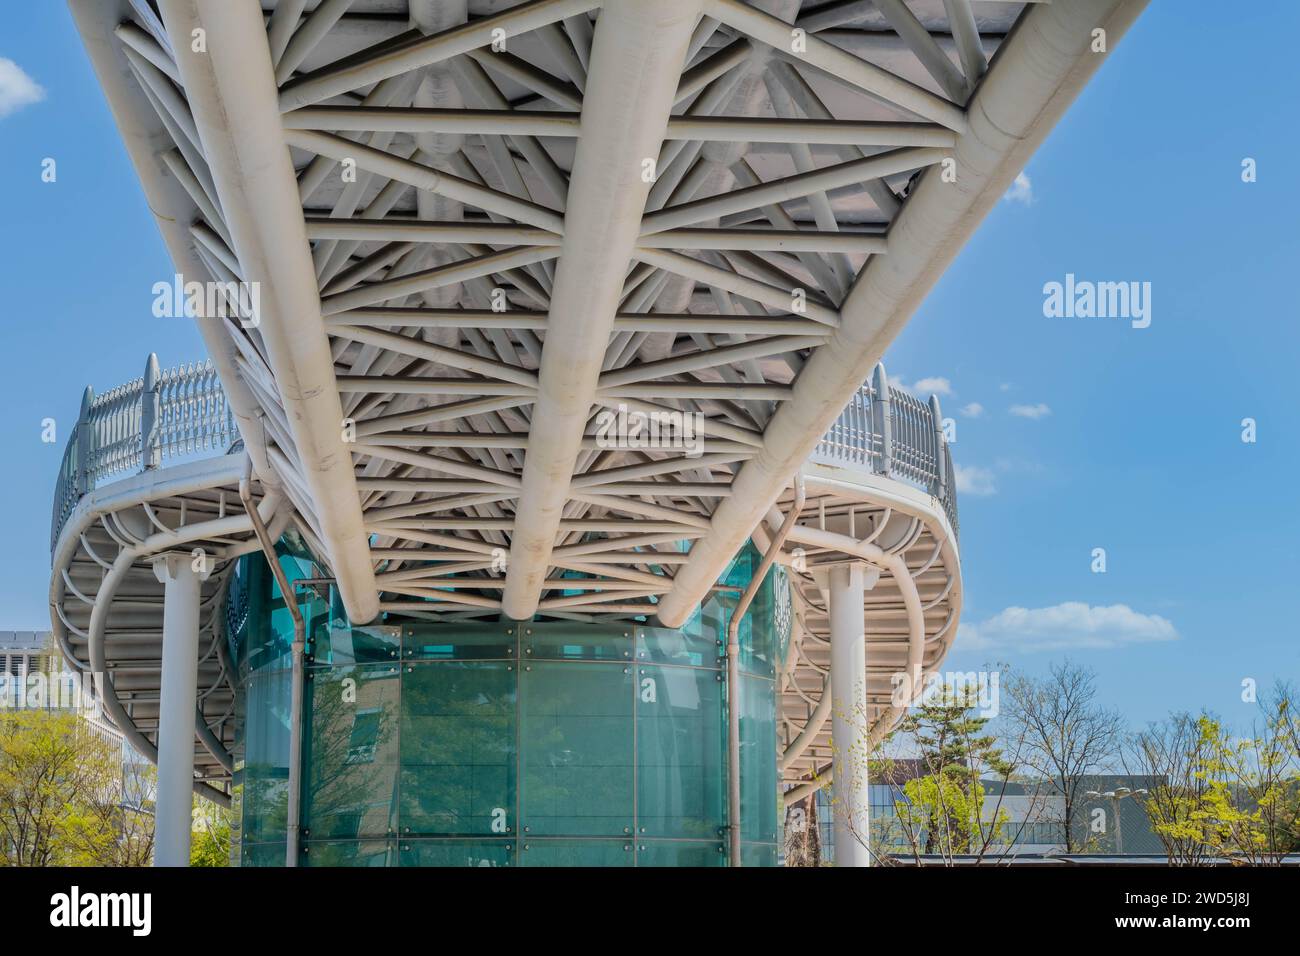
[849, 715]
[181, 575]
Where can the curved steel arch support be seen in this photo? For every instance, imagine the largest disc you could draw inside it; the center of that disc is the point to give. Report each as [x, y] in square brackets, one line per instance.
[254, 177]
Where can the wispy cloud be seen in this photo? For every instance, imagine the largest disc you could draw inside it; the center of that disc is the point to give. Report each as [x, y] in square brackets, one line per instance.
[17, 89]
[1022, 190]
[923, 387]
[973, 410]
[1069, 626]
[976, 481]
[1034, 412]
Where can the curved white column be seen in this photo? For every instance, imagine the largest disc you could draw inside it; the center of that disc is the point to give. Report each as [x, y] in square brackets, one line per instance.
[180, 659]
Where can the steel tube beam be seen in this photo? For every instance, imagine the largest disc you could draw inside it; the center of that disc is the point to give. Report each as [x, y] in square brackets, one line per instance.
[402, 119]
[792, 187]
[775, 32]
[391, 59]
[420, 176]
[255, 180]
[174, 207]
[636, 57]
[1040, 70]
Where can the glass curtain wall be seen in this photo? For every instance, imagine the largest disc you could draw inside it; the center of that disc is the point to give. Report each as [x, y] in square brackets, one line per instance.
[473, 744]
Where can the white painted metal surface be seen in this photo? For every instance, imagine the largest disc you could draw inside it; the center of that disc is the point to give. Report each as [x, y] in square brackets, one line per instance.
[173, 819]
[845, 592]
[478, 227]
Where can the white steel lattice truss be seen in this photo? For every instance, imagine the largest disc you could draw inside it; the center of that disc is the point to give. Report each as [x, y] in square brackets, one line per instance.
[476, 225]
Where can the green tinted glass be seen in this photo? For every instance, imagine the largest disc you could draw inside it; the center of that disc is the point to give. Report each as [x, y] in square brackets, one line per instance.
[456, 853]
[576, 736]
[458, 748]
[680, 746]
[351, 754]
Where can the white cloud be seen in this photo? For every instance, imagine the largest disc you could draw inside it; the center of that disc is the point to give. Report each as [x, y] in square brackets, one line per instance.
[1034, 412]
[932, 386]
[976, 481]
[1069, 626]
[17, 89]
[923, 387]
[1005, 387]
[973, 410]
[1022, 190]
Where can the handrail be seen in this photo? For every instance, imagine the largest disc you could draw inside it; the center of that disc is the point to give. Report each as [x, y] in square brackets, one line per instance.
[181, 411]
[891, 432]
[165, 414]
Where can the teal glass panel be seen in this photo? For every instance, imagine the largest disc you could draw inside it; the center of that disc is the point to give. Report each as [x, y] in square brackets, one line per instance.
[268, 622]
[334, 643]
[680, 752]
[458, 748]
[576, 734]
[348, 853]
[579, 642]
[456, 853]
[758, 854]
[577, 853]
[423, 641]
[665, 645]
[756, 635]
[758, 774]
[264, 791]
[262, 854]
[351, 755]
[680, 853]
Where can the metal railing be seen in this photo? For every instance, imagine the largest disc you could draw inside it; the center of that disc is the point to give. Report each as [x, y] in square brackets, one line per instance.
[182, 411]
[165, 414]
[890, 432]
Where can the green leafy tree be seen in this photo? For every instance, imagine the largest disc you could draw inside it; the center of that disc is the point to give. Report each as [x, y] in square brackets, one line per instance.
[210, 838]
[1246, 807]
[59, 786]
[946, 811]
[1173, 752]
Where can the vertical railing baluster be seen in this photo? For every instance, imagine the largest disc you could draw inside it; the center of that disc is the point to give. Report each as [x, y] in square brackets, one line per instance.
[936, 436]
[150, 412]
[882, 415]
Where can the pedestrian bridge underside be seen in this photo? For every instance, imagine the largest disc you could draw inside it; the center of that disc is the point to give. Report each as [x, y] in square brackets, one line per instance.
[467, 230]
[442, 245]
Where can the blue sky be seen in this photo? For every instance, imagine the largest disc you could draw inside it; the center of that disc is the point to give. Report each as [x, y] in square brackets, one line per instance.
[1139, 453]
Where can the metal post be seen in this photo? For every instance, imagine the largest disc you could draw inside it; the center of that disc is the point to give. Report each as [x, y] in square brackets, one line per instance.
[849, 715]
[940, 476]
[882, 415]
[83, 479]
[150, 412]
[1119, 827]
[181, 575]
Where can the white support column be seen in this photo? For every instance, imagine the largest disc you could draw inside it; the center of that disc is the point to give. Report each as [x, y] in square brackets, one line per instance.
[849, 714]
[181, 575]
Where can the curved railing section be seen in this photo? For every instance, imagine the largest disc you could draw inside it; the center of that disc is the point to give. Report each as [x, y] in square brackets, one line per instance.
[165, 414]
[178, 412]
[891, 432]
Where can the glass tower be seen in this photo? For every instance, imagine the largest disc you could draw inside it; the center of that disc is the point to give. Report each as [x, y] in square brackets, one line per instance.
[551, 743]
